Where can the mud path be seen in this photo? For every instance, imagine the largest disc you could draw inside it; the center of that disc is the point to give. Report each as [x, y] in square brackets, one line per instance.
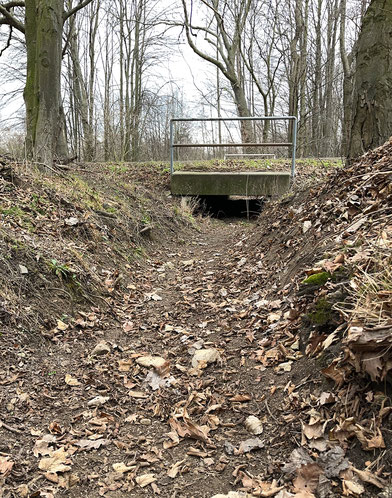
[117, 404]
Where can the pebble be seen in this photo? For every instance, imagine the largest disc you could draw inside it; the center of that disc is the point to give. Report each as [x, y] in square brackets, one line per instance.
[145, 421]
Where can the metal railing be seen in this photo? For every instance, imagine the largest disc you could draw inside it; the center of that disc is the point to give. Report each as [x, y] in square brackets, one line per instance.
[291, 144]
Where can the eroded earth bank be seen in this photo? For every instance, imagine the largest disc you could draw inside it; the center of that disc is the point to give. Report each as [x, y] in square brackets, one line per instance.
[146, 350]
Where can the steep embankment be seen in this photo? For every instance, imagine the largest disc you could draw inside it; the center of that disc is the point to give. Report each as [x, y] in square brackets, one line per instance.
[194, 370]
[69, 240]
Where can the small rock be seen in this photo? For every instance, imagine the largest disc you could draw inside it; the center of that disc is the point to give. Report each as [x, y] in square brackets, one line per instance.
[204, 357]
[145, 421]
[23, 270]
[100, 349]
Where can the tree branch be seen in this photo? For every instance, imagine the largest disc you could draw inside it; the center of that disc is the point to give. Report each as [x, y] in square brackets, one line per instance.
[73, 11]
[11, 5]
[8, 42]
[9, 19]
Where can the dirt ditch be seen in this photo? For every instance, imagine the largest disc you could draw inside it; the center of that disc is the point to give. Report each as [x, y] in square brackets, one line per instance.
[149, 351]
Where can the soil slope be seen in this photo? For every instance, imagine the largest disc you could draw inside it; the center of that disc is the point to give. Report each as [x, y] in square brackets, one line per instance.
[185, 358]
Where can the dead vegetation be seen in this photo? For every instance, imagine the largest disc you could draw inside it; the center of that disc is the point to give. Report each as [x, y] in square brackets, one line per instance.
[226, 360]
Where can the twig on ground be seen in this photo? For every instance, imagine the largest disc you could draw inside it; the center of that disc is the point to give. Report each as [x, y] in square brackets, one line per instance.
[10, 428]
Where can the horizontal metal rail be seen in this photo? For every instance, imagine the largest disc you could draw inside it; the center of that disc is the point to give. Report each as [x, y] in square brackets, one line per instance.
[240, 154]
[292, 144]
[245, 144]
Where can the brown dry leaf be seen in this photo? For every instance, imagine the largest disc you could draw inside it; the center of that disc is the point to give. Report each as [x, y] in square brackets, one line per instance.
[335, 373]
[124, 365]
[313, 431]
[61, 325]
[68, 480]
[5, 466]
[232, 494]
[327, 398]
[175, 468]
[178, 428]
[128, 326]
[352, 488]
[254, 425]
[268, 489]
[57, 462]
[88, 444]
[250, 445]
[121, 468]
[307, 477]
[71, 381]
[196, 452]
[375, 441]
[138, 394]
[156, 362]
[369, 477]
[145, 479]
[197, 431]
[240, 398]
[41, 447]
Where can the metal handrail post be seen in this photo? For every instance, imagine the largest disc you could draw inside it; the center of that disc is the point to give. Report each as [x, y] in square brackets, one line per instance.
[171, 148]
[294, 140]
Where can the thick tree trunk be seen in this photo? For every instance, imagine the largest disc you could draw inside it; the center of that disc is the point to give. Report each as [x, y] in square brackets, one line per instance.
[45, 136]
[372, 104]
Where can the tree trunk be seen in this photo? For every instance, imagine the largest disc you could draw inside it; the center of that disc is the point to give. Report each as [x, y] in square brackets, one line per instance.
[45, 134]
[372, 103]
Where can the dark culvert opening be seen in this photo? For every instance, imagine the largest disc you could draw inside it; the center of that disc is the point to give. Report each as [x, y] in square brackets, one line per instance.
[222, 206]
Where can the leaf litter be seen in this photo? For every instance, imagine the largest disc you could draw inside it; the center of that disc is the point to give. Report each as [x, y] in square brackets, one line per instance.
[161, 392]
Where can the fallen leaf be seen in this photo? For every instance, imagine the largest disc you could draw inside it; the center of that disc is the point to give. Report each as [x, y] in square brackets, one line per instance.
[101, 349]
[98, 401]
[71, 381]
[367, 476]
[306, 226]
[151, 361]
[175, 468]
[196, 452]
[327, 398]
[138, 394]
[124, 365]
[254, 425]
[250, 445]
[196, 431]
[153, 296]
[307, 477]
[61, 325]
[88, 444]
[352, 488]
[145, 480]
[5, 466]
[155, 381]
[121, 468]
[240, 398]
[56, 463]
[41, 447]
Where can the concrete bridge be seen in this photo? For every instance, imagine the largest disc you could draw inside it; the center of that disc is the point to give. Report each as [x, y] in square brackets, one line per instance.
[244, 184]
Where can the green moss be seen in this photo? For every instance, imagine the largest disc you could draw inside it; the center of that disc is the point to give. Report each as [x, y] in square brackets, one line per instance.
[318, 279]
[322, 313]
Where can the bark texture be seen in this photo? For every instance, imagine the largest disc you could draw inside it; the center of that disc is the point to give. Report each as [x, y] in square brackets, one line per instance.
[372, 103]
[45, 137]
